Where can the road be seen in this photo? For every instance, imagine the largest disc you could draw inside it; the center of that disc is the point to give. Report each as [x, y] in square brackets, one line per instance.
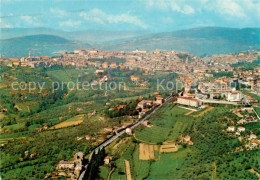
[218, 102]
[114, 137]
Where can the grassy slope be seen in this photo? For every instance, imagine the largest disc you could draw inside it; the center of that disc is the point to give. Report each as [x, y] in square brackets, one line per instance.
[194, 161]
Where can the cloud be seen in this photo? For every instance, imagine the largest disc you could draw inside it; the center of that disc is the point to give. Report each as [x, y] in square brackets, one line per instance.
[173, 5]
[59, 13]
[99, 17]
[30, 19]
[167, 20]
[5, 24]
[230, 7]
[70, 23]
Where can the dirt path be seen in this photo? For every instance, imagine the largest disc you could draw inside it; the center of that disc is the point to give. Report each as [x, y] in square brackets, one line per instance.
[253, 171]
[203, 112]
[128, 171]
[110, 173]
[214, 170]
[28, 109]
[188, 113]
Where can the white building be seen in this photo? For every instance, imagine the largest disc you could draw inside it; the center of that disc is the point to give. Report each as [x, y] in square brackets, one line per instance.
[241, 129]
[231, 128]
[129, 131]
[189, 101]
[234, 96]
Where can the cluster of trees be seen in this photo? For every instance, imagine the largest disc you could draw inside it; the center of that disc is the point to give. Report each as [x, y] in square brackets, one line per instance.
[247, 65]
[223, 73]
[128, 110]
[93, 166]
[212, 147]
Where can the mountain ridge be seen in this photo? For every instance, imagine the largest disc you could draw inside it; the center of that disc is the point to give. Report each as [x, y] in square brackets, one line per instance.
[196, 41]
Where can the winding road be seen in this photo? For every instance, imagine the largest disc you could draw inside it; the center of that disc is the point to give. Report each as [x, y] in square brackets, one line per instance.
[122, 131]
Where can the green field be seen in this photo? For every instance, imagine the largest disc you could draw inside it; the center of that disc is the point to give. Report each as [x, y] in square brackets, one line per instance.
[208, 157]
[168, 124]
[257, 110]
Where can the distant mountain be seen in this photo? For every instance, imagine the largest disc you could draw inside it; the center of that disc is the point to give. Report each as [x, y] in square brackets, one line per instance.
[39, 45]
[197, 41]
[90, 36]
[7, 33]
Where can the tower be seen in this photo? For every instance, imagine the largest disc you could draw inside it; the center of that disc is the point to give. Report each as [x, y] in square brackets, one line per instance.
[30, 54]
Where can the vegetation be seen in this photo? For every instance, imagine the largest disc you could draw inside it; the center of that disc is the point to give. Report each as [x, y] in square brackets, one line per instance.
[222, 73]
[25, 113]
[247, 65]
[211, 156]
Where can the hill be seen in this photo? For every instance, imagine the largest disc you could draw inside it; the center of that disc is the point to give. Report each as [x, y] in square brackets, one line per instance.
[93, 36]
[39, 45]
[197, 41]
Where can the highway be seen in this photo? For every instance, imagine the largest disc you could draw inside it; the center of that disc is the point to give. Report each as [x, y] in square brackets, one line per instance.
[122, 131]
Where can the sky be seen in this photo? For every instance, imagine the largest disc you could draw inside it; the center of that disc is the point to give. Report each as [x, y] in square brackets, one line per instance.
[128, 15]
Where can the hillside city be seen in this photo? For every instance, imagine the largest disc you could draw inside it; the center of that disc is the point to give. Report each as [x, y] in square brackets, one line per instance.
[130, 90]
[168, 101]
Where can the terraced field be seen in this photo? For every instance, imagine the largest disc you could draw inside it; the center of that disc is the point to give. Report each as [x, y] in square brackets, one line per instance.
[168, 124]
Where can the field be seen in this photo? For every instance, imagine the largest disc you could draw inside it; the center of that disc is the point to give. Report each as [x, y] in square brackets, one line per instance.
[146, 151]
[128, 170]
[170, 159]
[67, 124]
[166, 148]
[168, 124]
[201, 112]
[62, 111]
[257, 110]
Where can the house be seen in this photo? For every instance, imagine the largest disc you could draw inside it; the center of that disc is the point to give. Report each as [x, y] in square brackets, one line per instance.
[107, 159]
[78, 158]
[237, 133]
[129, 131]
[45, 127]
[108, 129]
[189, 101]
[94, 112]
[105, 65]
[186, 139]
[241, 129]
[26, 153]
[190, 143]
[159, 99]
[255, 143]
[79, 138]
[88, 137]
[66, 164]
[146, 123]
[113, 65]
[80, 51]
[231, 128]
[252, 136]
[134, 78]
[32, 155]
[121, 106]
[143, 112]
[234, 96]
[142, 104]
[99, 71]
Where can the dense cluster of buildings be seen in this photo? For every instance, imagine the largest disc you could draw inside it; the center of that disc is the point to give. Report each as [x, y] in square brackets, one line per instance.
[71, 169]
[193, 71]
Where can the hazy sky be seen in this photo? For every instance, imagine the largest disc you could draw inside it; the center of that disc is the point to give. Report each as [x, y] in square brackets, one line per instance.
[147, 15]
